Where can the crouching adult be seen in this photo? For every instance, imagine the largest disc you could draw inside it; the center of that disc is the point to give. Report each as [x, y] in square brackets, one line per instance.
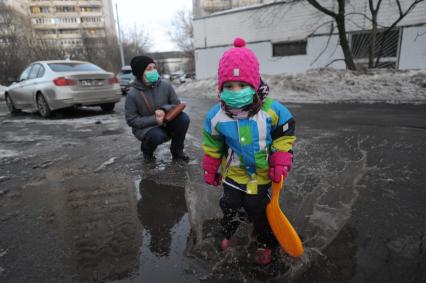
[148, 100]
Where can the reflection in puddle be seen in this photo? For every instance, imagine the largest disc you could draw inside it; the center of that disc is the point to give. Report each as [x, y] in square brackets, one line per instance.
[98, 217]
[162, 213]
[160, 208]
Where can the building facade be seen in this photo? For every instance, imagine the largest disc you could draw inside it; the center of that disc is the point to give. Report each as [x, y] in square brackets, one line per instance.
[201, 8]
[290, 37]
[68, 22]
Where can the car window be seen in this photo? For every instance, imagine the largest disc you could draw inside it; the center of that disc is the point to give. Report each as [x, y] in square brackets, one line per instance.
[73, 67]
[34, 71]
[126, 76]
[25, 73]
[126, 71]
[40, 72]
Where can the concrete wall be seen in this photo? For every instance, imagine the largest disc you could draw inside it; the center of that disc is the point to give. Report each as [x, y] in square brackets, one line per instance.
[262, 26]
[207, 60]
[108, 13]
[413, 48]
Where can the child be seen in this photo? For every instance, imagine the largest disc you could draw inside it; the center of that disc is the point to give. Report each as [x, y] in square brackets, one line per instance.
[251, 137]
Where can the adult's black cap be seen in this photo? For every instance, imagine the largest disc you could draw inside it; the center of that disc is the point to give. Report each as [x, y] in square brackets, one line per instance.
[139, 64]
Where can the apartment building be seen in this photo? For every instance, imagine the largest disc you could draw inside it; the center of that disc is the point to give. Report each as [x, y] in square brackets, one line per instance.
[68, 22]
[201, 8]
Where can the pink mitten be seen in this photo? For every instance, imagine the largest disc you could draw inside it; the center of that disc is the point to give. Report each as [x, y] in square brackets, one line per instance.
[279, 164]
[210, 166]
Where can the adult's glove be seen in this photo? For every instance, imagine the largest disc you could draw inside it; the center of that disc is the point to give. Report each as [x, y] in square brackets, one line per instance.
[210, 166]
[279, 164]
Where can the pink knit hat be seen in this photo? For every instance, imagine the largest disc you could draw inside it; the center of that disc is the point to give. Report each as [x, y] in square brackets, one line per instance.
[239, 64]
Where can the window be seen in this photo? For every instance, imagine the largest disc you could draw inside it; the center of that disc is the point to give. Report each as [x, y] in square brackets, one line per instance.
[25, 73]
[35, 10]
[34, 72]
[90, 9]
[65, 9]
[386, 46]
[40, 72]
[73, 67]
[289, 48]
[69, 31]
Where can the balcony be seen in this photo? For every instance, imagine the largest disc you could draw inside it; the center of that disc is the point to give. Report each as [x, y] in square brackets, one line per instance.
[91, 14]
[56, 26]
[40, 3]
[93, 24]
[61, 3]
[90, 2]
[212, 6]
[69, 36]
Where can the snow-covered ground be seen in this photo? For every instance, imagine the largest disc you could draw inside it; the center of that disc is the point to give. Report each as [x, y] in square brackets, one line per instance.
[330, 85]
[2, 89]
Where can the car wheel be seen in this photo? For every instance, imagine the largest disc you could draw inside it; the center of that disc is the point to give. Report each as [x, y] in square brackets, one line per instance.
[43, 107]
[107, 107]
[10, 105]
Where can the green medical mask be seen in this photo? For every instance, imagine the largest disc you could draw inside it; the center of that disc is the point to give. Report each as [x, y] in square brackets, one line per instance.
[152, 76]
[238, 98]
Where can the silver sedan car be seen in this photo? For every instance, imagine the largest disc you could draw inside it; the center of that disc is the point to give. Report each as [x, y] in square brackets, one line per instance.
[45, 86]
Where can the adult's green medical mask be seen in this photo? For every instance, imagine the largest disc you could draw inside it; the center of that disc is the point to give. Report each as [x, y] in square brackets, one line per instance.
[152, 76]
[238, 98]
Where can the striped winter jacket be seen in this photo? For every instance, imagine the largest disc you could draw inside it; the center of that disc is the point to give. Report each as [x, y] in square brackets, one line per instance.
[244, 145]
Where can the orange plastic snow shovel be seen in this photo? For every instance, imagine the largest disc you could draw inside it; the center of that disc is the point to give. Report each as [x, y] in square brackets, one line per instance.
[281, 227]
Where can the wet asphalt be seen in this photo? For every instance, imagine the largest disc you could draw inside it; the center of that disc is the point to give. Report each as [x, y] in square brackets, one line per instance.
[78, 204]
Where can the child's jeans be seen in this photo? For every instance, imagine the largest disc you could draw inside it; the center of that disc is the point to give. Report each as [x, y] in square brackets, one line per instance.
[255, 207]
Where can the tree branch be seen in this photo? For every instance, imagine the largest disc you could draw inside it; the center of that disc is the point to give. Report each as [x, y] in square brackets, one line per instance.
[322, 8]
[326, 46]
[335, 60]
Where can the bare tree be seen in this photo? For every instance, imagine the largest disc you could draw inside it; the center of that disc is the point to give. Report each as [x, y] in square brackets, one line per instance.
[374, 9]
[182, 34]
[136, 41]
[97, 49]
[12, 42]
[339, 18]
[19, 46]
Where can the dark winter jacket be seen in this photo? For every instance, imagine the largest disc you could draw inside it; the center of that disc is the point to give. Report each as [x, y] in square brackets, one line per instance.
[161, 95]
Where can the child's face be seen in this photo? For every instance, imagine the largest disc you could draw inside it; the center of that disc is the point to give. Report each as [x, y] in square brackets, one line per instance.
[234, 86]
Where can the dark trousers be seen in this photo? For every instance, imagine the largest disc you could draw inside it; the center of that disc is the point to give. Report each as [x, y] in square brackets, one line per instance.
[175, 130]
[254, 206]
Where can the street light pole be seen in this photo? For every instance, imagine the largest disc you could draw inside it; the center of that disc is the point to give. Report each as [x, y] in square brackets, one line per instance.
[120, 43]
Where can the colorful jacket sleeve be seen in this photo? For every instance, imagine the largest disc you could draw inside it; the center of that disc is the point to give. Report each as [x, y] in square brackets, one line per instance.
[283, 128]
[213, 141]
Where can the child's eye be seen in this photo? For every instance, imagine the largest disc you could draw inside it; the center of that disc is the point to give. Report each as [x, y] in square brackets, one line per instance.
[242, 85]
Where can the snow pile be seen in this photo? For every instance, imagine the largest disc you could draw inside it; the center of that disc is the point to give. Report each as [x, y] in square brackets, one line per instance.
[2, 90]
[330, 85]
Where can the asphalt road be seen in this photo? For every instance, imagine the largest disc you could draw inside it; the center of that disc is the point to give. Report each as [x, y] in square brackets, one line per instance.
[77, 203]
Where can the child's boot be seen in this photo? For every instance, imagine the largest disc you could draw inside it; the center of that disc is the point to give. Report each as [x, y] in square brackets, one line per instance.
[263, 256]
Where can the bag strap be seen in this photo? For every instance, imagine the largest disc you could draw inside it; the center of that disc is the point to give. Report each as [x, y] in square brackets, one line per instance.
[150, 109]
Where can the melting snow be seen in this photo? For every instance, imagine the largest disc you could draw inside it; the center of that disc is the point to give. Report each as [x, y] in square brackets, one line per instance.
[330, 85]
[4, 153]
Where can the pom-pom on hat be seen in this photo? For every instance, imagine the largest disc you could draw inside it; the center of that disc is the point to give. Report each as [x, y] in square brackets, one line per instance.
[239, 64]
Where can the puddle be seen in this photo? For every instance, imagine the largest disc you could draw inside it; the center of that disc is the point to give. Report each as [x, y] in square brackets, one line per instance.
[164, 226]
